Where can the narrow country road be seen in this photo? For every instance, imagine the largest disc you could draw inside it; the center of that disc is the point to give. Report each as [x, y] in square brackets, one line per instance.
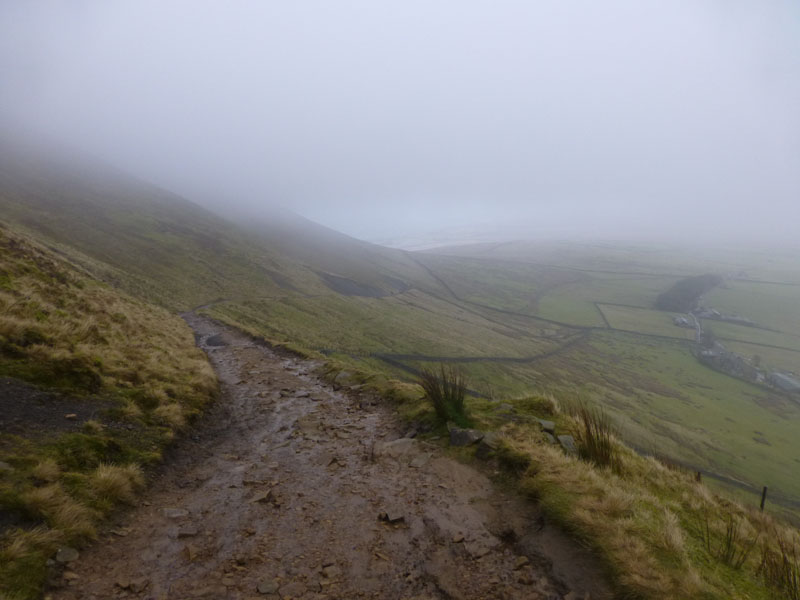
[289, 489]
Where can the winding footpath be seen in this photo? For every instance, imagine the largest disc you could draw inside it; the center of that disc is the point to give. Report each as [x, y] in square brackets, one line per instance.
[288, 488]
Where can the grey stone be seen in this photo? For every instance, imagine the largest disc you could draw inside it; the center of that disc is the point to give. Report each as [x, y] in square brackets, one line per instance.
[396, 448]
[264, 497]
[547, 426]
[477, 549]
[267, 587]
[392, 515]
[175, 513]
[568, 444]
[187, 531]
[341, 378]
[505, 407]
[465, 437]
[4, 466]
[331, 572]
[420, 461]
[489, 443]
[550, 438]
[66, 555]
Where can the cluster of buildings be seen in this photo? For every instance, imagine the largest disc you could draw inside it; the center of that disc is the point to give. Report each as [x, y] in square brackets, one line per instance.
[713, 314]
[715, 355]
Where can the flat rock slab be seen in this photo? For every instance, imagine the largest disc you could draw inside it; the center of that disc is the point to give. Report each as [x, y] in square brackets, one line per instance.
[548, 426]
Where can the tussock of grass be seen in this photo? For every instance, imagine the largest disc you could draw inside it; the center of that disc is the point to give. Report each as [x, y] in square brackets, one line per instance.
[779, 566]
[62, 512]
[47, 470]
[595, 436]
[22, 561]
[446, 391]
[115, 483]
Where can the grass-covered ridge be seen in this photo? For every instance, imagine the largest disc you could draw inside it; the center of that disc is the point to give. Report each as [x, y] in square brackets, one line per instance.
[662, 533]
[128, 373]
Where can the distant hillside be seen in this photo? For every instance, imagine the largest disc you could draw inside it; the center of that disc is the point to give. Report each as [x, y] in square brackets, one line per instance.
[160, 246]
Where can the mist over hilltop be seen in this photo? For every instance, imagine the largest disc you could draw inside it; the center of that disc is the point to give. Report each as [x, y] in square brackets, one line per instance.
[620, 118]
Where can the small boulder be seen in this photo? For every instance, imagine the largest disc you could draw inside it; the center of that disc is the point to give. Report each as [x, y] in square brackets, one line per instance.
[420, 461]
[392, 516]
[341, 379]
[397, 448]
[331, 572]
[465, 437]
[489, 443]
[267, 587]
[190, 552]
[175, 513]
[66, 555]
[548, 426]
[568, 444]
[187, 531]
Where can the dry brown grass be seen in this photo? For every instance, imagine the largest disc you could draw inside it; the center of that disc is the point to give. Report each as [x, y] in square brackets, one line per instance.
[642, 519]
[54, 316]
[61, 511]
[116, 483]
[47, 470]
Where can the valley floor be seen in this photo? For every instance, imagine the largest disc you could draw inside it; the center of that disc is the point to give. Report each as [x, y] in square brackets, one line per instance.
[290, 489]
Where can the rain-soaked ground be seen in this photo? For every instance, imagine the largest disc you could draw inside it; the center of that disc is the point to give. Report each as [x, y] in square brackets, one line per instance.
[289, 489]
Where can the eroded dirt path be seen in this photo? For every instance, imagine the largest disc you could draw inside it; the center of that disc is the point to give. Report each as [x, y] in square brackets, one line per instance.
[290, 489]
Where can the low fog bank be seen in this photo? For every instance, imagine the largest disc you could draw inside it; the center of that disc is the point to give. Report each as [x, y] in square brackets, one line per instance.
[623, 119]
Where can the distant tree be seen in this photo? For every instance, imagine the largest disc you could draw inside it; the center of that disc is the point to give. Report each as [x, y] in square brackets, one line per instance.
[685, 293]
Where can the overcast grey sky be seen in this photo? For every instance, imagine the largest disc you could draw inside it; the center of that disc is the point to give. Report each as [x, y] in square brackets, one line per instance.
[383, 117]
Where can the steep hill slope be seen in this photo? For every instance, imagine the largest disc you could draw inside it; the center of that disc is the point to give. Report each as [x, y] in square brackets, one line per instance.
[94, 384]
[161, 246]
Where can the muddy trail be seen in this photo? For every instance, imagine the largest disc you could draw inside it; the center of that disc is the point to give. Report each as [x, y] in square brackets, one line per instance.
[290, 489]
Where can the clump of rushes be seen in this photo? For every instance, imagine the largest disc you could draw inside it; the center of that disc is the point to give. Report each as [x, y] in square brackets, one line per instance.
[446, 391]
[596, 437]
[779, 566]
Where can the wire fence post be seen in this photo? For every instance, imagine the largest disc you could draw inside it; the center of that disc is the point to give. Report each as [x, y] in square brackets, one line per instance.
[763, 498]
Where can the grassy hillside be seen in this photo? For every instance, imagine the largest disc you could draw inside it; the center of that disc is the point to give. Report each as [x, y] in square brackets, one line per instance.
[159, 246]
[95, 383]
